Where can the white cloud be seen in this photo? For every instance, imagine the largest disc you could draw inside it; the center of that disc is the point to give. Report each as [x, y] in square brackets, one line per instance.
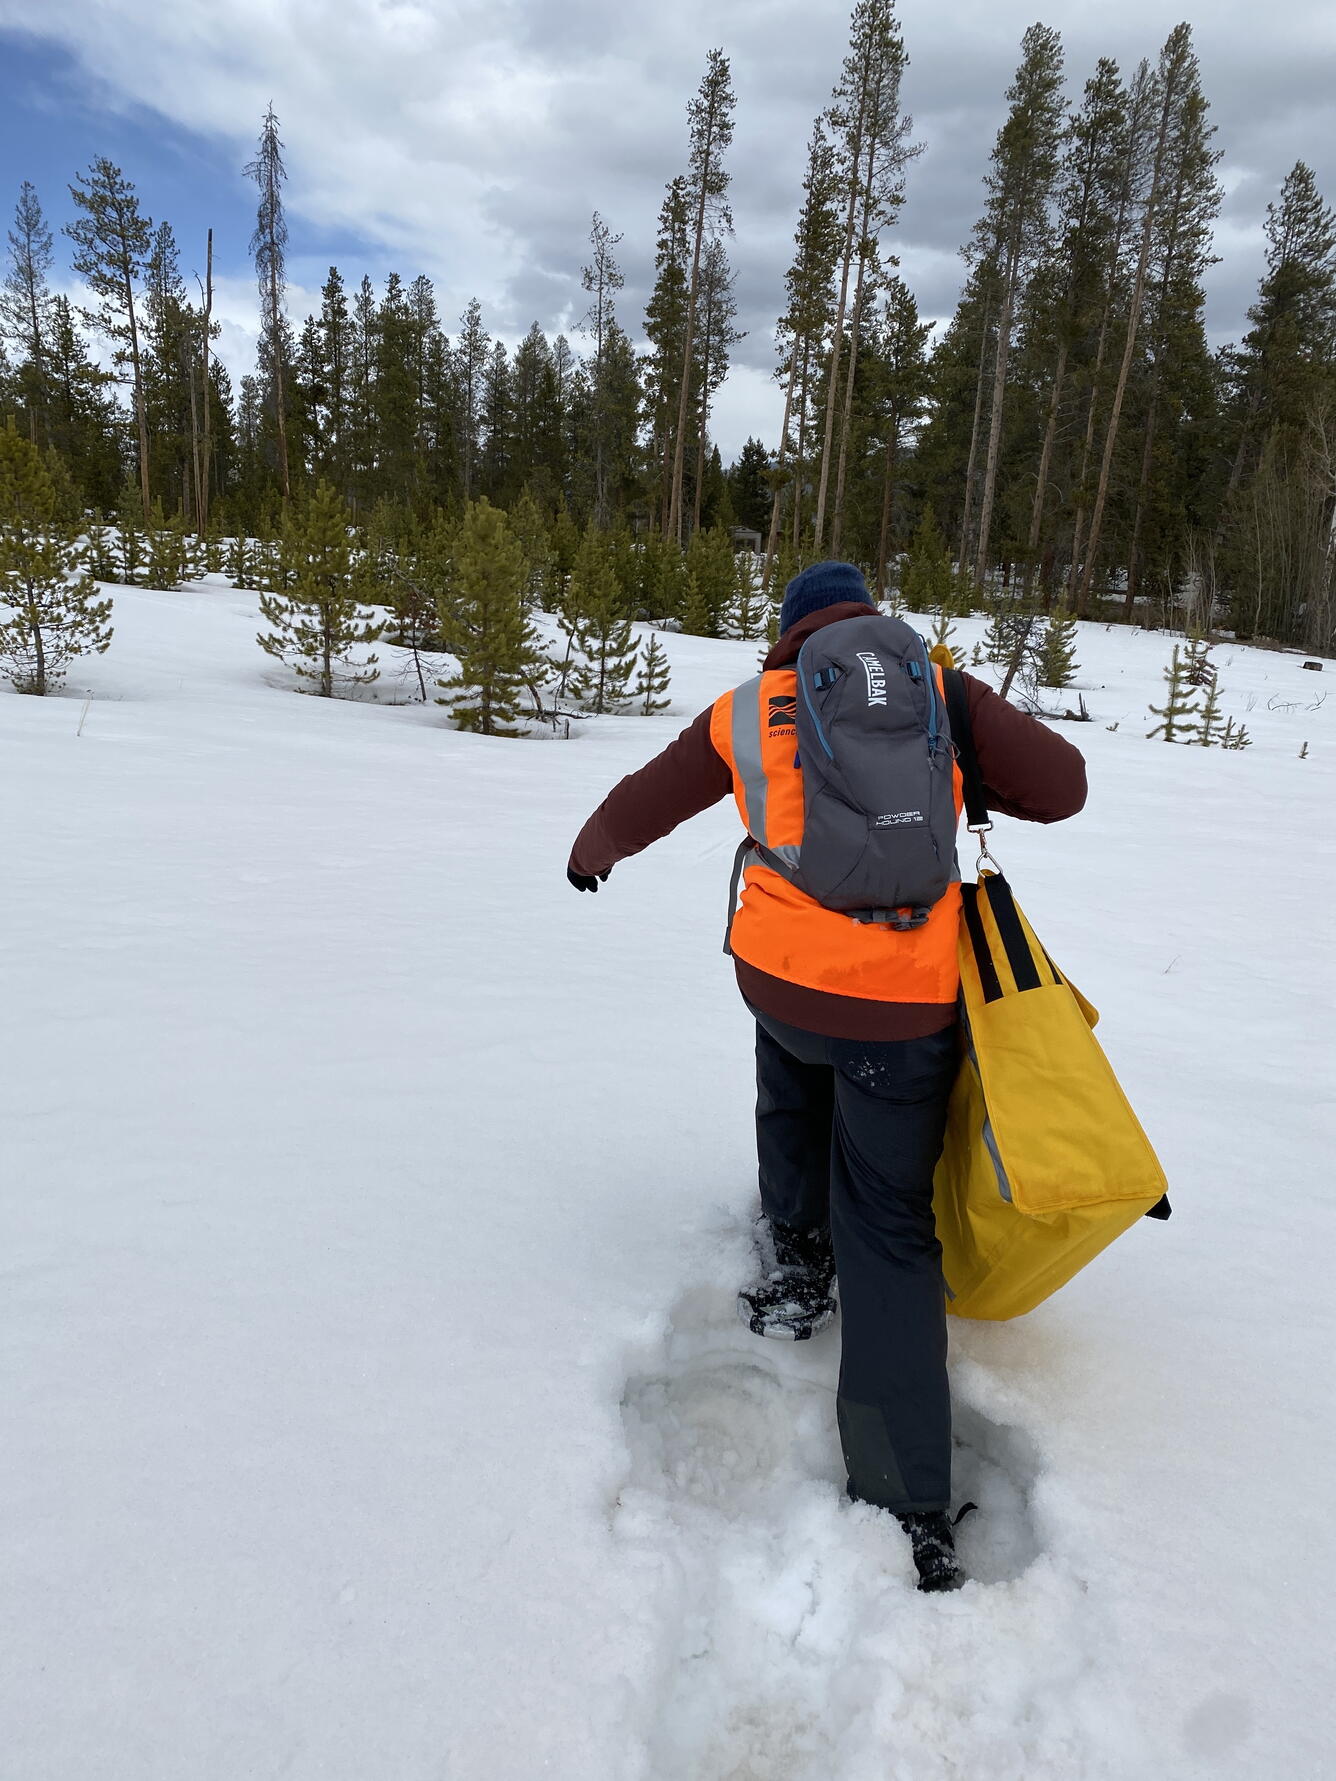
[471, 139]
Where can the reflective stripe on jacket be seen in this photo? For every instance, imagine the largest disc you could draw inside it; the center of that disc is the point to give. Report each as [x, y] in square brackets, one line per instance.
[778, 928]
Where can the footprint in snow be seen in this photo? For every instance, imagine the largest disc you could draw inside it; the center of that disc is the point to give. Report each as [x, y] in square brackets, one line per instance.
[776, 1584]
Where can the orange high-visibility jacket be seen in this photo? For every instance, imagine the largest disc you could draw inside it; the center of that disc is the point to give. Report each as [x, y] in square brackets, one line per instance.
[778, 928]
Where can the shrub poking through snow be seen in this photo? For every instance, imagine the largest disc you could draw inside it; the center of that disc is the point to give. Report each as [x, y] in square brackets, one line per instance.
[1180, 707]
[54, 612]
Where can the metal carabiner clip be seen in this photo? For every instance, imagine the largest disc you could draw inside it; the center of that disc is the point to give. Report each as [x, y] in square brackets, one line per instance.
[981, 831]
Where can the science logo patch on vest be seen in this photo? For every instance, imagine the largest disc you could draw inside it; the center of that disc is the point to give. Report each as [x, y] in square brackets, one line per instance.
[783, 713]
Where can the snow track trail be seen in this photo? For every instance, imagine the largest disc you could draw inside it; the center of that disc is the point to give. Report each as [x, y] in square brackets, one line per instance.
[794, 1642]
[374, 1406]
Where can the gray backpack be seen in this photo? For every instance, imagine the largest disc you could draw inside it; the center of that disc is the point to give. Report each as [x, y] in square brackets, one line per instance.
[874, 744]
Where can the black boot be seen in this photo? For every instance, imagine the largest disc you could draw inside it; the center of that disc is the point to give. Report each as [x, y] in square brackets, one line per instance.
[795, 1294]
[934, 1545]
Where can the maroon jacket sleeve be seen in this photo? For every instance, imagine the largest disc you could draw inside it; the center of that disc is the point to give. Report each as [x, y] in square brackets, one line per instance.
[685, 779]
[1028, 771]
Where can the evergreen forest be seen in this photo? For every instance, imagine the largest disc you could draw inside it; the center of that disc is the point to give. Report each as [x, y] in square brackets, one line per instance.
[1068, 442]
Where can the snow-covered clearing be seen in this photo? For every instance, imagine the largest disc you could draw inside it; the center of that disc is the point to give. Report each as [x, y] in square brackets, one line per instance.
[373, 1206]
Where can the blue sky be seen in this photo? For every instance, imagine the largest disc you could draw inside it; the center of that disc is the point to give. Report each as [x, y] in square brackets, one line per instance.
[54, 120]
[472, 139]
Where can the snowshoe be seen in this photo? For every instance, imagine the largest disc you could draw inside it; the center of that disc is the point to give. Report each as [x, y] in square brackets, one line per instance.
[795, 1294]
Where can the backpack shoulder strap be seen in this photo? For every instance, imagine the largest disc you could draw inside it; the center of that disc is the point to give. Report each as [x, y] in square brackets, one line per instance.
[958, 711]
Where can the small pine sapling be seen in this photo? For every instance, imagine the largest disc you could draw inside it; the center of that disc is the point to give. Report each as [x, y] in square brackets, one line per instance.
[751, 610]
[943, 630]
[653, 679]
[131, 545]
[167, 554]
[1057, 663]
[927, 580]
[490, 635]
[100, 542]
[53, 612]
[418, 590]
[697, 619]
[1208, 723]
[602, 634]
[1180, 706]
[1011, 643]
[320, 617]
[237, 566]
[1198, 668]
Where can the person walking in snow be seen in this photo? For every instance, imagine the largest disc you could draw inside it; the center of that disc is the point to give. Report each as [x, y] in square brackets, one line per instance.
[856, 1035]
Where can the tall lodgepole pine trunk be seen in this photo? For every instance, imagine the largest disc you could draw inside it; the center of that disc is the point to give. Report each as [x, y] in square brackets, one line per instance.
[772, 542]
[887, 494]
[141, 417]
[1001, 357]
[206, 441]
[841, 310]
[1129, 342]
[1143, 483]
[967, 504]
[1045, 463]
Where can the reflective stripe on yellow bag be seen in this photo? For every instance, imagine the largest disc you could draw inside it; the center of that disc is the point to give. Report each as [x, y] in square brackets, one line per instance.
[1045, 1162]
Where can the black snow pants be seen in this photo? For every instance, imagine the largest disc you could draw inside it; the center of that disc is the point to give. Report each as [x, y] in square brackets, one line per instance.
[848, 1133]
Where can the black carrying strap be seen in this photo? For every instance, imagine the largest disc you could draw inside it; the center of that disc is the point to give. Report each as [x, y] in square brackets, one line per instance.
[958, 711]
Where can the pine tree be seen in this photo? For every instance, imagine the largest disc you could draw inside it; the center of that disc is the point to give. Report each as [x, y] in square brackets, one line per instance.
[1209, 724]
[939, 638]
[1180, 706]
[1013, 232]
[927, 579]
[1012, 642]
[601, 280]
[86, 427]
[897, 349]
[1057, 663]
[471, 357]
[268, 247]
[751, 607]
[25, 307]
[1198, 668]
[167, 556]
[711, 119]
[238, 564]
[697, 615]
[112, 240]
[100, 543]
[487, 628]
[419, 587]
[801, 334]
[319, 619]
[870, 134]
[603, 638]
[526, 522]
[710, 565]
[653, 680]
[131, 538]
[666, 330]
[53, 612]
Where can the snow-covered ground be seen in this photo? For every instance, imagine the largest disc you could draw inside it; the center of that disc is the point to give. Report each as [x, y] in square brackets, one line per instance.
[372, 1210]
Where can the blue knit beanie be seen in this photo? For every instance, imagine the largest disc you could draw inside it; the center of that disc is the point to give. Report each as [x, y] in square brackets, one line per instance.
[823, 584]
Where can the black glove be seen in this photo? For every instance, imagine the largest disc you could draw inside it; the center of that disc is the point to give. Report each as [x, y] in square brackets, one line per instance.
[582, 883]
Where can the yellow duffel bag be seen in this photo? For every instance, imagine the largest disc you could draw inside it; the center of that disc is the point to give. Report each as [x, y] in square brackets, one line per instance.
[1045, 1162]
